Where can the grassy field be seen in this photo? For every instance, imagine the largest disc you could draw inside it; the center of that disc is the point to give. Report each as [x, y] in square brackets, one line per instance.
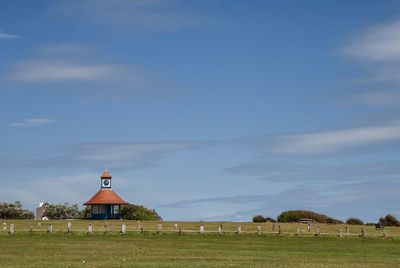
[169, 249]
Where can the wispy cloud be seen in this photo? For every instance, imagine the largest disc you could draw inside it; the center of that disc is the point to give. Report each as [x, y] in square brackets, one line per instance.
[62, 70]
[117, 155]
[378, 48]
[378, 43]
[328, 141]
[72, 68]
[32, 122]
[8, 36]
[149, 15]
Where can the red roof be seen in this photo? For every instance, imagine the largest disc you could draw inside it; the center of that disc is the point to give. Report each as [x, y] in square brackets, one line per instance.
[106, 174]
[105, 196]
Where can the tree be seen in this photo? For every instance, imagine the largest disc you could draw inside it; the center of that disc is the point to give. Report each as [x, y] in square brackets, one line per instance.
[269, 219]
[354, 221]
[389, 220]
[85, 214]
[61, 211]
[258, 218]
[134, 212]
[15, 211]
[296, 215]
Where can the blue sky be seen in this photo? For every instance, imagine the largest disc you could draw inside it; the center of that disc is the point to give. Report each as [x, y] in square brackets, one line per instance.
[203, 110]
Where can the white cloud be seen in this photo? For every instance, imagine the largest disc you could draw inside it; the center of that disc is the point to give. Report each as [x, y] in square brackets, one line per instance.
[8, 36]
[113, 154]
[336, 140]
[32, 122]
[75, 69]
[62, 70]
[379, 43]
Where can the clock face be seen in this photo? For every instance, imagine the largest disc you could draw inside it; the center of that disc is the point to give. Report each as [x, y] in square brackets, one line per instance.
[106, 183]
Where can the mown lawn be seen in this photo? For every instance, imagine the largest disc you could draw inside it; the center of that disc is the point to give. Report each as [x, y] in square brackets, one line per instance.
[191, 249]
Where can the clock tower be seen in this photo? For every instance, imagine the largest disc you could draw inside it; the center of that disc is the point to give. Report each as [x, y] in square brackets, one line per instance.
[106, 180]
[105, 204]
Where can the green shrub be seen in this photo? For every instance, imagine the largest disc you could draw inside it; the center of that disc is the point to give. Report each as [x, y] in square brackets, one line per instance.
[134, 212]
[14, 211]
[61, 211]
[354, 221]
[389, 220]
[296, 215]
[269, 219]
[258, 218]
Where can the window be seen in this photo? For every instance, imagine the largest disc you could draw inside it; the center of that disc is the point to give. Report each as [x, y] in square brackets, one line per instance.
[98, 209]
[116, 209]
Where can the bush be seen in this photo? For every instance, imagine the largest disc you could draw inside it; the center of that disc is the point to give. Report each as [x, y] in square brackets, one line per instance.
[85, 214]
[134, 212]
[268, 219]
[61, 211]
[258, 218]
[389, 220]
[296, 215]
[15, 211]
[354, 221]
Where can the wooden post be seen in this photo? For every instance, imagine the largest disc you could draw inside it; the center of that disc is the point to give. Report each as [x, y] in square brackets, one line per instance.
[220, 230]
[31, 229]
[201, 228]
[39, 225]
[69, 227]
[384, 233]
[239, 230]
[11, 229]
[347, 229]
[180, 230]
[90, 230]
[105, 224]
[4, 226]
[138, 227]
[340, 233]
[106, 229]
[259, 230]
[362, 232]
[318, 231]
[141, 230]
[298, 231]
[308, 227]
[273, 227]
[279, 230]
[50, 229]
[159, 228]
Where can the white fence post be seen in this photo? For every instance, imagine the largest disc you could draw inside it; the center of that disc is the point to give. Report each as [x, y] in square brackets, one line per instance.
[159, 228]
[11, 229]
[50, 229]
[123, 228]
[259, 230]
[90, 230]
[201, 228]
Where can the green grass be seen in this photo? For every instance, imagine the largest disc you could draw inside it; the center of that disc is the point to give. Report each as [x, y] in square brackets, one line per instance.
[191, 249]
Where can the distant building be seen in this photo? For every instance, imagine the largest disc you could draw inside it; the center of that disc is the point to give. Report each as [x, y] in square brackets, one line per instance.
[40, 211]
[105, 204]
[305, 220]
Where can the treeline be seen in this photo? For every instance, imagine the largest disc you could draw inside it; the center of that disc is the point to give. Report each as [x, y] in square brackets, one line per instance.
[297, 215]
[14, 211]
[72, 211]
